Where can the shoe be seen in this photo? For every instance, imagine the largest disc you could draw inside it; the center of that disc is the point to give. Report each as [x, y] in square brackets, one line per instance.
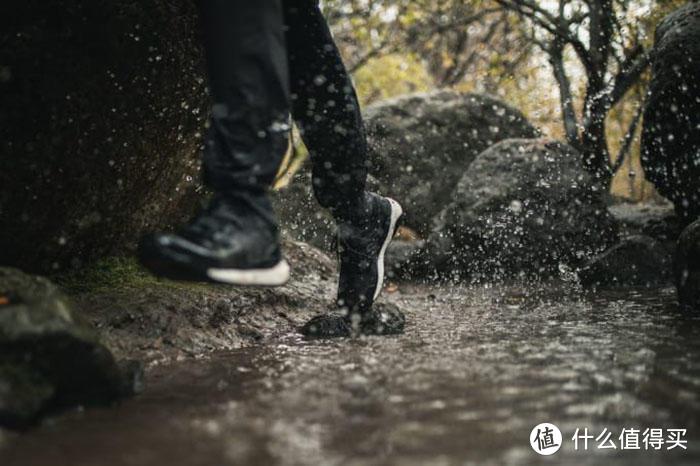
[385, 319]
[234, 240]
[361, 248]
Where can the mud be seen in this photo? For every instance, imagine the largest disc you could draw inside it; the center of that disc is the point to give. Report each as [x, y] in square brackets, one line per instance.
[159, 321]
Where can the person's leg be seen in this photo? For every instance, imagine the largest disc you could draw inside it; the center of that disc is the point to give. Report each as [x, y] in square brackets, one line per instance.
[326, 109]
[235, 239]
[249, 83]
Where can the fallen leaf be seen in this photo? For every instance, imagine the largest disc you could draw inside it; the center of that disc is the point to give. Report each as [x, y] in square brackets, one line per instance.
[392, 288]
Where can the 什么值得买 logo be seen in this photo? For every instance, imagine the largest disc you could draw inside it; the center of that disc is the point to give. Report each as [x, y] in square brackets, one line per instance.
[546, 439]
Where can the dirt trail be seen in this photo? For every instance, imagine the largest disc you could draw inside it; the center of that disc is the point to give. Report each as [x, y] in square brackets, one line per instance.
[158, 321]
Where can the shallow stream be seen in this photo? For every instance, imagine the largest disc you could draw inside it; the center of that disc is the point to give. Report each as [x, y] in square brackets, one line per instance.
[476, 370]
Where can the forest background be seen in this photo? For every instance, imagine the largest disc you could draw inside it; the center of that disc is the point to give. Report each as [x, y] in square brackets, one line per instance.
[578, 69]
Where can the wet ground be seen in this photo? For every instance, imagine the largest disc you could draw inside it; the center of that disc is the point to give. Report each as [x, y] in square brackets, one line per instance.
[477, 369]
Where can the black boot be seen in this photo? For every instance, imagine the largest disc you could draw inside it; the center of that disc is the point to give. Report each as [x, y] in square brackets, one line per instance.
[361, 247]
[362, 243]
[234, 240]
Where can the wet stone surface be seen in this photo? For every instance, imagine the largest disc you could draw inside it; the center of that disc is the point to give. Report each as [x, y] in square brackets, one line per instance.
[476, 370]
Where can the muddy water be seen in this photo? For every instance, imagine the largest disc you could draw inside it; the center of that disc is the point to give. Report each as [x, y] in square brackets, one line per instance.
[477, 369]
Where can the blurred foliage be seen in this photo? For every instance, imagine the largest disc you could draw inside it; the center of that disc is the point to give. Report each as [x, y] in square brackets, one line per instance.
[607, 43]
[397, 46]
[391, 75]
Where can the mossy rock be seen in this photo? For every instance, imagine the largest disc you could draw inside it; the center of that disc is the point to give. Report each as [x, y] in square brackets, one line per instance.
[422, 144]
[23, 394]
[48, 357]
[103, 107]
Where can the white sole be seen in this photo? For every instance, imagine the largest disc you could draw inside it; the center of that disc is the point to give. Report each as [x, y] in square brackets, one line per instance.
[396, 212]
[274, 276]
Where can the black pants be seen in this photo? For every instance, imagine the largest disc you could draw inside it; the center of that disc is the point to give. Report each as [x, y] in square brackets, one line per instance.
[268, 59]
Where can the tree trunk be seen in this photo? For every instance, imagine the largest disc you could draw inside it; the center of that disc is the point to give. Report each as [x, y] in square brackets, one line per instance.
[594, 146]
[556, 59]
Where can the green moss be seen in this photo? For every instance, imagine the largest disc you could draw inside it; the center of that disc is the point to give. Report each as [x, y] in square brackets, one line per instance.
[116, 273]
[111, 272]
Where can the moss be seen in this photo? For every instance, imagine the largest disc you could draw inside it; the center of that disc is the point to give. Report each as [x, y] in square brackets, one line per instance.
[116, 273]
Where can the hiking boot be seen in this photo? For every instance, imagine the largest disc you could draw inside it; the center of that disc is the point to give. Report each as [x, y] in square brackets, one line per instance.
[383, 320]
[361, 248]
[234, 240]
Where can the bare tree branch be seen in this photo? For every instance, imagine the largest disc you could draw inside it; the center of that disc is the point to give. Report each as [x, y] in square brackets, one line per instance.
[551, 24]
[629, 75]
[627, 141]
[556, 58]
[612, 58]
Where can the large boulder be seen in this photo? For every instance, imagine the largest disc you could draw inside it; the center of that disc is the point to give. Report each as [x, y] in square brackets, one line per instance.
[687, 267]
[102, 103]
[525, 208]
[656, 219]
[671, 131]
[421, 144]
[634, 261]
[48, 359]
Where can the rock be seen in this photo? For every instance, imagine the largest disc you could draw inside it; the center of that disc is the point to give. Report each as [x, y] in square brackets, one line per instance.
[23, 394]
[102, 103]
[634, 261]
[384, 319]
[400, 257]
[525, 208]
[421, 144]
[330, 325]
[687, 267]
[671, 130]
[657, 220]
[48, 359]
